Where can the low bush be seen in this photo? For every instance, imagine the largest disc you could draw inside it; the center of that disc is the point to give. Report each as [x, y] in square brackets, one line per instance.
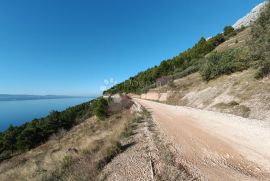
[101, 108]
[229, 32]
[220, 63]
[90, 161]
[263, 69]
[260, 43]
[182, 73]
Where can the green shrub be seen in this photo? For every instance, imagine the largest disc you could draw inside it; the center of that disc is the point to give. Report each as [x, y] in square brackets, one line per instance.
[101, 108]
[220, 63]
[260, 43]
[186, 72]
[217, 40]
[263, 70]
[228, 30]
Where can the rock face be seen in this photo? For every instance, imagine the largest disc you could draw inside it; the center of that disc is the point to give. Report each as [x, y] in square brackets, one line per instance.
[250, 17]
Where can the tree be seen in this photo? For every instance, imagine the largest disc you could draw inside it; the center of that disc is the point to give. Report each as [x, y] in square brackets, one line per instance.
[9, 138]
[1, 143]
[217, 40]
[202, 48]
[228, 30]
[101, 108]
[29, 138]
[53, 122]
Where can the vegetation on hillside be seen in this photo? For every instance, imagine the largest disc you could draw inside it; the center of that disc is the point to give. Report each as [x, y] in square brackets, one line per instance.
[224, 63]
[182, 65]
[229, 31]
[210, 64]
[255, 55]
[93, 158]
[76, 154]
[260, 43]
[101, 108]
[17, 139]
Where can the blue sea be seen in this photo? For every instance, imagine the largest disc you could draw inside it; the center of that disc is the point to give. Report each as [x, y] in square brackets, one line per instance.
[19, 112]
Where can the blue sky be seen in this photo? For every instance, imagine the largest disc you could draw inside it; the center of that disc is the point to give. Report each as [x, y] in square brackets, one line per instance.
[70, 47]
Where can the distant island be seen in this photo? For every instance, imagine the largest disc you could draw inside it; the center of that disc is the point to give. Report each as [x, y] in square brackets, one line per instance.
[8, 97]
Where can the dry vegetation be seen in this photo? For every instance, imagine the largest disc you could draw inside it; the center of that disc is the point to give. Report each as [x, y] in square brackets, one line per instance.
[148, 155]
[238, 41]
[79, 154]
[239, 93]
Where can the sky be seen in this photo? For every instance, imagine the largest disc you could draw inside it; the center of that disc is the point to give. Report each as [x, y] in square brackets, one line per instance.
[77, 47]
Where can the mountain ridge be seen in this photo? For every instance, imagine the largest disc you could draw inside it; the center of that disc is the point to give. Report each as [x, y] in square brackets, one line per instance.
[251, 17]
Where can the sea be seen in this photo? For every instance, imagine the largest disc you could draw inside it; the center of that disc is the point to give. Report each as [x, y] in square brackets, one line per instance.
[17, 112]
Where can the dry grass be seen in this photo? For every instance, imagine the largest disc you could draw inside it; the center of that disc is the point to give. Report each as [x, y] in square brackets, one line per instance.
[238, 41]
[79, 154]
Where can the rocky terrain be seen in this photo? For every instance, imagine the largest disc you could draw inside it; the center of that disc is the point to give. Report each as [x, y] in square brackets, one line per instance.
[250, 17]
[240, 94]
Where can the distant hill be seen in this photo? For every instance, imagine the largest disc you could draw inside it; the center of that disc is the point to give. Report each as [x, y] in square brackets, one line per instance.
[8, 97]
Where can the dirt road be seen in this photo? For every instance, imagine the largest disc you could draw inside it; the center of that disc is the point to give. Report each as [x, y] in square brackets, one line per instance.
[213, 145]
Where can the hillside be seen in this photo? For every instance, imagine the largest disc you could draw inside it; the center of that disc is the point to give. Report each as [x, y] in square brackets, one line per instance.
[201, 115]
[250, 17]
[79, 152]
[228, 52]
[244, 93]
[126, 144]
[227, 76]
[240, 94]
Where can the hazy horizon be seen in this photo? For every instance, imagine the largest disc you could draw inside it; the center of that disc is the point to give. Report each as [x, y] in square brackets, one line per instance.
[49, 95]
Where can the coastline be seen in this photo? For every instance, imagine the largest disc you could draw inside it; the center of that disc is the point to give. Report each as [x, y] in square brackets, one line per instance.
[18, 112]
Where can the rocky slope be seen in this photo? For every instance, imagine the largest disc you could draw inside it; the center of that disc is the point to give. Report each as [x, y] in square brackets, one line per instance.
[250, 17]
[240, 94]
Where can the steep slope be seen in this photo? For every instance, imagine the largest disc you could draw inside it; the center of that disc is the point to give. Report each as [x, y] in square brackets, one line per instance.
[76, 154]
[240, 94]
[225, 53]
[235, 42]
[231, 86]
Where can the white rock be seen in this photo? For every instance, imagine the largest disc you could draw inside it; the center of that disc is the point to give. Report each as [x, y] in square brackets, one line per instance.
[250, 17]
